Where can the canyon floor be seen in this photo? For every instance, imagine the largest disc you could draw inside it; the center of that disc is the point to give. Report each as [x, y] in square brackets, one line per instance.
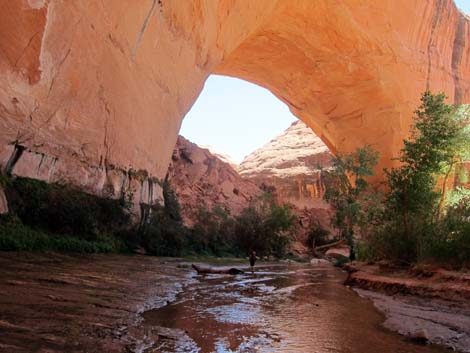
[115, 303]
[424, 302]
[92, 303]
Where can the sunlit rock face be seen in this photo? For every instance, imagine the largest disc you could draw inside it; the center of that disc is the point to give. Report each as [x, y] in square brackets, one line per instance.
[202, 180]
[291, 165]
[101, 87]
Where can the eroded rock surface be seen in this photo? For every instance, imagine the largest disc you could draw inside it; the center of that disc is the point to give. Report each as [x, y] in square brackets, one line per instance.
[291, 165]
[64, 303]
[427, 304]
[100, 85]
[425, 320]
[202, 180]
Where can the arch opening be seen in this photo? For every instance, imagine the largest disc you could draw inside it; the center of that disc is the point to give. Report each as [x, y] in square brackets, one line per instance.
[266, 146]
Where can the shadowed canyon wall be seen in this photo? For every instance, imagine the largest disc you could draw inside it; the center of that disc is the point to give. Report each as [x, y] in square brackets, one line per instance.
[94, 92]
[202, 180]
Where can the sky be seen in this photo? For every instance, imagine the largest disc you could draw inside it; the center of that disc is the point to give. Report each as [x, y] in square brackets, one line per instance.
[236, 117]
[463, 5]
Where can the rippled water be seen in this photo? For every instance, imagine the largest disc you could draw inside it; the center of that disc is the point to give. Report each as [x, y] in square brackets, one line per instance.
[288, 308]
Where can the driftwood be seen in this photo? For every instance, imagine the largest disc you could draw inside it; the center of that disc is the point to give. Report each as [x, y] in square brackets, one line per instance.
[327, 246]
[230, 271]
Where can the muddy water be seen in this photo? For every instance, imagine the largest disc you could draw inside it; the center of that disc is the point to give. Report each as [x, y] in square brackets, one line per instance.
[288, 308]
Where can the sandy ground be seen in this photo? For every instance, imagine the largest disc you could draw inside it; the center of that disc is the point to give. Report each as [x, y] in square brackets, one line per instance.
[87, 303]
[93, 303]
[422, 301]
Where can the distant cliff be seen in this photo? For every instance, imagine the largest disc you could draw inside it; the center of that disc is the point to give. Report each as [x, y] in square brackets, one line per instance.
[291, 166]
[202, 179]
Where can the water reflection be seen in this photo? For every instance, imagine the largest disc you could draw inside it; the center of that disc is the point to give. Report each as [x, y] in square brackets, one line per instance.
[278, 309]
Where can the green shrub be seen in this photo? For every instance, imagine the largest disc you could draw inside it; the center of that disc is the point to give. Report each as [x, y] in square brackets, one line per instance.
[420, 222]
[317, 235]
[64, 209]
[164, 234]
[45, 212]
[15, 236]
[386, 242]
[341, 261]
[264, 228]
[448, 241]
[213, 233]
[42, 213]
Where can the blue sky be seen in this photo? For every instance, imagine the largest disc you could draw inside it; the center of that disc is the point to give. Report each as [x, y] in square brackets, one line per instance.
[463, 5]
[236, 117]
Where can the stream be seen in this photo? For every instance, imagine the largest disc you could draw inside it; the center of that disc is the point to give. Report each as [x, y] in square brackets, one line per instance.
[279, 308]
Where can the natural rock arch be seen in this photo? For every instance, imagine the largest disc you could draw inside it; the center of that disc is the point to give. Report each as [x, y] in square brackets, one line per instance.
[93, 89]
[354, 70]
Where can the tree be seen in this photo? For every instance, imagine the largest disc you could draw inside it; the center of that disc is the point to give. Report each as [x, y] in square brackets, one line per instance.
[347, 186]
[439, 138]
[460, 153]
[164, 232]
[265, 227]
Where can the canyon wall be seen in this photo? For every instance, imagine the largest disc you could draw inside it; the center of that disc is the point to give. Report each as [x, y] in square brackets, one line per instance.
[201, 179]
[94, 92]
[291, 166]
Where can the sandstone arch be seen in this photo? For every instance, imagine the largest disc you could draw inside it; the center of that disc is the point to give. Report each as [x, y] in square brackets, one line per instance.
[93, 88]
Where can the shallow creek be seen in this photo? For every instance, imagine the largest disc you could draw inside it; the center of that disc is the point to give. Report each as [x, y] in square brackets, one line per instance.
[279, 308]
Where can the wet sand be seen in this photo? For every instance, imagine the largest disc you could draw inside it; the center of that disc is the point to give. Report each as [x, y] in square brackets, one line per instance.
[422, 298]
[281, 308]
[84, 303]
[115, 303]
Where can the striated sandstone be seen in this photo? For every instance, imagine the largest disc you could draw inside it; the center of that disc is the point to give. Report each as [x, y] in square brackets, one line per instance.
[292, 166]
[223, 157]
[201, 179]
[104, 85]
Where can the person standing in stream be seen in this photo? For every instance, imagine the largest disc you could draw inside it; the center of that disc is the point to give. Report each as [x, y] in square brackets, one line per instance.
[252, 258]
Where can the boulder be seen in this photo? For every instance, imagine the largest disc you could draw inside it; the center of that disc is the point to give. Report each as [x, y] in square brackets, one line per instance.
[339, 252]
[420, 336]
[319, 261]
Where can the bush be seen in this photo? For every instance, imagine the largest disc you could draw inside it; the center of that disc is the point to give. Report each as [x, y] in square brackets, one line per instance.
[264, 228]
[64, 209]
[448, 242]
[317, 235]
[213, 233]
[164, 233]
[56, 217]
[419, 221]
[15, 236]
[386, 242]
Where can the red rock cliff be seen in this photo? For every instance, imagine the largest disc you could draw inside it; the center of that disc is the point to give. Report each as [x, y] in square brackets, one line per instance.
[94, 89]
[291, 164]
[201, 179]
